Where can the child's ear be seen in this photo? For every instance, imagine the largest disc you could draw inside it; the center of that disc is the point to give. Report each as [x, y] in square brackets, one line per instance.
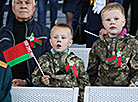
[70, 43]
[124, 22]
[50, 41]
[103, 23]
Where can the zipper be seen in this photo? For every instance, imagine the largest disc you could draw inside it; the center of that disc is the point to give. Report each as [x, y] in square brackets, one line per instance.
[27, 60]
[42, 37]
[12, 36]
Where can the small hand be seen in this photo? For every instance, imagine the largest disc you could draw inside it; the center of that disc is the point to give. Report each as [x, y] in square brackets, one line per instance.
[102, 31]
[17, 82]
[132, 84]
[45, 79]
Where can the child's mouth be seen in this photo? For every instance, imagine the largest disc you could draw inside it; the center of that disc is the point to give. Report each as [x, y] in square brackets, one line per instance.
[112, 28]
[58, 45]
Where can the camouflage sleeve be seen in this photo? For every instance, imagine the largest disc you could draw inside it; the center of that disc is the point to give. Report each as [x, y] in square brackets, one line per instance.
[134, 63]
[83, 79]
[93, 63]
[44, 64]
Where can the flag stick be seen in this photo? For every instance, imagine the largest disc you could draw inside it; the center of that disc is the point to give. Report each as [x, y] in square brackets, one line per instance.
[39, 66]
[91, 33]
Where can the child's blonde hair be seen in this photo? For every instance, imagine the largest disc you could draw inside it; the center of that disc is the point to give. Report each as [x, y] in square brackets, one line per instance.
[64, 26]
[113, 6]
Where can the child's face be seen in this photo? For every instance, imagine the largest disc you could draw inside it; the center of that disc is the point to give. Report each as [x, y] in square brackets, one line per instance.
[61, 39]
[113, 22]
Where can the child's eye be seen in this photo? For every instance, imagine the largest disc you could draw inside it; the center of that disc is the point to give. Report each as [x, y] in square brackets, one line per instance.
[116, 18]
[107, 19]
[55, 37]
[63, 37]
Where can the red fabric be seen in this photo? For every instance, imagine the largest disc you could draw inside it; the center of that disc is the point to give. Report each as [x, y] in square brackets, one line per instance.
[119, 61]
[67, 67]
[75, 71]
[15, 51]
[31, 44]
[37, 40]
[112, 58]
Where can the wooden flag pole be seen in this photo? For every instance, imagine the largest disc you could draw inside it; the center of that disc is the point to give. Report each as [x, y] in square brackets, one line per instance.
[39, 66]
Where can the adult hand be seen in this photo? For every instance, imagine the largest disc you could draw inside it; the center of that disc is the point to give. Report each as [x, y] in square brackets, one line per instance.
[94, 9]
[17, 82]
[45, 79]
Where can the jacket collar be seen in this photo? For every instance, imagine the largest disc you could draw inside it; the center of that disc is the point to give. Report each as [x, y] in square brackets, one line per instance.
[54, 52]
[11, 24]
[121, 36]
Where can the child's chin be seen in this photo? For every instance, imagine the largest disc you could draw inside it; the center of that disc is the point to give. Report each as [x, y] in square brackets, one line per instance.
[59, 50]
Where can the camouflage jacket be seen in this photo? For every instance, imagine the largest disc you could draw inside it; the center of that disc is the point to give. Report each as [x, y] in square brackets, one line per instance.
[102, 73]
[54, 66]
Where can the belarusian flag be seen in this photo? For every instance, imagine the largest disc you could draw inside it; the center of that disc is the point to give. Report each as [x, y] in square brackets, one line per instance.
[18, 53]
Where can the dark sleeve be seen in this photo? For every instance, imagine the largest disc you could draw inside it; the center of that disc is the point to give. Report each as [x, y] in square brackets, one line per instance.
[5, 43]
[77, 12]
[5, 84]
[47, 45]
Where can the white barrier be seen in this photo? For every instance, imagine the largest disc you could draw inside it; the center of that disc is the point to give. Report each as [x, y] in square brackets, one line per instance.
[111, 94]
[83, 53]
[44, 94]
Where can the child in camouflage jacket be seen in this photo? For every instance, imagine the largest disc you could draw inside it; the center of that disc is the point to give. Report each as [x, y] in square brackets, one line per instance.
[113, 59]
[61, 67]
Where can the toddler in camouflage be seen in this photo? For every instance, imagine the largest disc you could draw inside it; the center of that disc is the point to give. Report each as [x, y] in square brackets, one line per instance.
[61, 67]
[113, 59]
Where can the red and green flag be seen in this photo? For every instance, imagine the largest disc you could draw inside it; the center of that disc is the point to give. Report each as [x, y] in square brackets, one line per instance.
[71, 66]
[18, 53]
[33, 40]
[117, 58]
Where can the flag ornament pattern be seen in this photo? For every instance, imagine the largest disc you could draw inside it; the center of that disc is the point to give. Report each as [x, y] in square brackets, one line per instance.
[117, 58]
[3, 64]
[18, 53]
[71, 66]
[33, 40]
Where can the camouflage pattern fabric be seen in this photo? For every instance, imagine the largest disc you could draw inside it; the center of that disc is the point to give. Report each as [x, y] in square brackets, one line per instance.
[55, 68]
[103, 74]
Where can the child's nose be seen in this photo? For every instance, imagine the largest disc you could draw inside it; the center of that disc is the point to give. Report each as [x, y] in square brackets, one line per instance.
[112, 20]
[59, 39]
